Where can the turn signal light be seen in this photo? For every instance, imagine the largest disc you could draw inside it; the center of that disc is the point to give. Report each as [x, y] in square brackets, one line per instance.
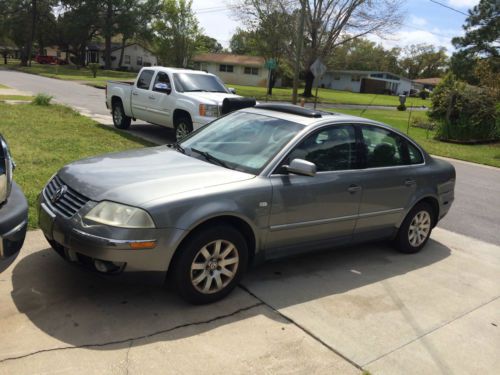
[143, 245]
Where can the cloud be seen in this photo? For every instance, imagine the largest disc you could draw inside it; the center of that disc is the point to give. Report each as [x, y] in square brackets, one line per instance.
[463, 3]
[418, 21]
[404, 38]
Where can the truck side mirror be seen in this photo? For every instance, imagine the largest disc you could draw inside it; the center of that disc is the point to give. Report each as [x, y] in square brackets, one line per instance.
[232, 90]
[7, 167]
[163, 88]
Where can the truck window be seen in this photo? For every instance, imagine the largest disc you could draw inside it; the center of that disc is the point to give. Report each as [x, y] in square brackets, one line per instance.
[162, 78]
[145, 79]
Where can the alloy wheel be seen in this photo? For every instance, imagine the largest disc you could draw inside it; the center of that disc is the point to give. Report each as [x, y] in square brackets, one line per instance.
[420, 228]
[181, 130]
[117, 115]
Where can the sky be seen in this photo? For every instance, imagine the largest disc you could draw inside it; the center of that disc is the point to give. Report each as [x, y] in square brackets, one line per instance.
[425, 22]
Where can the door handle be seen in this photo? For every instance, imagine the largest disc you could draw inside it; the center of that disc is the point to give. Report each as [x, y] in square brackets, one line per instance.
[410, 182]
[353, 188]
[134, 93]
[151, 97]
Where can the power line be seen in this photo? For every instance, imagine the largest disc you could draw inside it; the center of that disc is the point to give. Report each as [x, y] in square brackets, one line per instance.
[446, 6]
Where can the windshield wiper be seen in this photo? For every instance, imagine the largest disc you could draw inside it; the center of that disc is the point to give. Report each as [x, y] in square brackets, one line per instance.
[197, 90]
[210, 157]
[177, 146]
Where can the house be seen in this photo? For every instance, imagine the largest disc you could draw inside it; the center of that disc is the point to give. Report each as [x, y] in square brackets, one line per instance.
[135, 56]
[54, 51]
[375, 82]
[235, 69]
[426, 83]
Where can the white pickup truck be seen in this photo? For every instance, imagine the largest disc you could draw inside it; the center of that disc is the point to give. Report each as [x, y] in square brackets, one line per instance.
[178, 98]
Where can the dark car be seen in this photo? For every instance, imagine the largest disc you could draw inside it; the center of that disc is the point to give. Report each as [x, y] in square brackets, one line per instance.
[13, 210]
[259, 183]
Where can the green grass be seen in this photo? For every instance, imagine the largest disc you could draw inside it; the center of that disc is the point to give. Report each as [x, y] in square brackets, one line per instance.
[4, 87]
[329, 96]
[71, 73]
[43, 139]
[488, 154]
[15, 97]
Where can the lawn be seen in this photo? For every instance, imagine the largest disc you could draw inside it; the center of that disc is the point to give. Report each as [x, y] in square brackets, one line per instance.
[488, 154]
[43, 139]
[329, 96]
[72, 73]
[15, 97]
[4, 87]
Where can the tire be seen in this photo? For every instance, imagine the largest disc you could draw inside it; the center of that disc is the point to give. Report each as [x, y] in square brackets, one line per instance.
[197, 277]
[120, 119]
[416, 229]
[183, 126]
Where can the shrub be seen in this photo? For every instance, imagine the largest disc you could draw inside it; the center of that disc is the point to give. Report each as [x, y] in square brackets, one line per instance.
[401, 107]
[464, 112]
[424, 94]
[418, 122]
[42, 99]
[94, 67]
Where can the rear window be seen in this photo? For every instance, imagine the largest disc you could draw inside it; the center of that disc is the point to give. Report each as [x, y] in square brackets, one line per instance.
[145, 79]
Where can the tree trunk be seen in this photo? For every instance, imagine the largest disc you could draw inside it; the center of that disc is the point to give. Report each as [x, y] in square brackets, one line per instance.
[5, 53]
[121, 53]
[108, 31]
[33, 29]
[272, 81]
[309, 85]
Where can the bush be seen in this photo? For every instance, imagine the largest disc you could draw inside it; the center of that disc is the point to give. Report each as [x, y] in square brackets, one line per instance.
[464, 112]
[401, 107]
[418, 122]
[424, 94]
[94, 67]
[42, 99]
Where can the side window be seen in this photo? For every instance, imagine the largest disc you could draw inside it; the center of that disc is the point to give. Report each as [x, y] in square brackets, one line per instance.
[414, 154]
[331, 149]
[145, 79]
[383, 148]
[163, 80]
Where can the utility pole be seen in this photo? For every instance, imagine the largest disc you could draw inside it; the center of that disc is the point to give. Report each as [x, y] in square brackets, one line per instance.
[298, 56]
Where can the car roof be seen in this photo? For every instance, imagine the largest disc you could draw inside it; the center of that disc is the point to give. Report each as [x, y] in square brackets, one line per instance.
[175, 70]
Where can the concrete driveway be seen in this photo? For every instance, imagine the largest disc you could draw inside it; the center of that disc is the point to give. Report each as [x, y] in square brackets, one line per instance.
[335, 312]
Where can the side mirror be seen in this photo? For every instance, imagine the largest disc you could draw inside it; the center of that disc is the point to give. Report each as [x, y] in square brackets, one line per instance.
[163, 88]
[301, 167]
[7, 166]
[232, 90]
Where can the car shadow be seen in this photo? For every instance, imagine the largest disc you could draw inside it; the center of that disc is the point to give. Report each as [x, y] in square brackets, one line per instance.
[147, 134]
[83, 308]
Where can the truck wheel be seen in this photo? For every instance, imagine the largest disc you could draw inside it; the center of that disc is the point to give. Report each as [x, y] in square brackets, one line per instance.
[210, 264]
[416, 229]
[183, 126]
[120, 119]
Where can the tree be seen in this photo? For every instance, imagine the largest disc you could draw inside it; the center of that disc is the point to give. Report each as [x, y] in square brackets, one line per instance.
[176, 31]
[481, 41]
[424, 61]
[243, 42]
[330, 23]
[205, 43]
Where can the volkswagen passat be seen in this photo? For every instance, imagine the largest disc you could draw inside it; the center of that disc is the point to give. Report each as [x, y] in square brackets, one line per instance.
[259, 183]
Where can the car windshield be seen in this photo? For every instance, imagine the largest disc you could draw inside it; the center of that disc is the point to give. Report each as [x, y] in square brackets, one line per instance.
[243, 141]
[191, 82]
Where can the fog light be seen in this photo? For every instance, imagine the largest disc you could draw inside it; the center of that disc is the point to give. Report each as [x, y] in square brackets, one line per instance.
[105, 266]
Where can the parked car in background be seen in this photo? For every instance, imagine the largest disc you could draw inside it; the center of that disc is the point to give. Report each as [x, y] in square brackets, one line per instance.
[49, 60]
[13, 210]
[177, 98]
[259, 183]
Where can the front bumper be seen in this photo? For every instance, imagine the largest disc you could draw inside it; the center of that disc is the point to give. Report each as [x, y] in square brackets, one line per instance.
[13, 226]
[82, 243]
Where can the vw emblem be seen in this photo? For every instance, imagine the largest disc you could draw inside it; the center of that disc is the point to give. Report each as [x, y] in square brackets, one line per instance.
[59, 193]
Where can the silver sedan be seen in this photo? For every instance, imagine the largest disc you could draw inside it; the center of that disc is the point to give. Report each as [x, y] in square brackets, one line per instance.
[259, 183]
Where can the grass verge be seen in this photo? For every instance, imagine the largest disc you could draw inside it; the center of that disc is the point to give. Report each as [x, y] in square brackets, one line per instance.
[488, 154]
[15, 97]
[45, 138]
[329, 96]
[4, 87]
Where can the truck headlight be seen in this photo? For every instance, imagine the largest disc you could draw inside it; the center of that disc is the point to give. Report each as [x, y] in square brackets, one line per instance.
[120, 215]
[209, 110]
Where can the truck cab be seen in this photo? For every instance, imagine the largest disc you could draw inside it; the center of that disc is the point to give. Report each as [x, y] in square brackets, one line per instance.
[181, 99]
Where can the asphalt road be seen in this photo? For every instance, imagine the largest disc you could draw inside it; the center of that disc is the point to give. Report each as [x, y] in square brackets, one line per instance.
[475, 212]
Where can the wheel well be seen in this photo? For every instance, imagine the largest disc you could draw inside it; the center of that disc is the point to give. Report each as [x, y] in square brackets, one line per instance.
[178, 113]
[239, 224]
[433, 202]
[115, 100]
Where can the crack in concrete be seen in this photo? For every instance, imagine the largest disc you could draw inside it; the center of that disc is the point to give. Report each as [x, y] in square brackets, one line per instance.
[303, 329]
[126, 357]
[202, 322]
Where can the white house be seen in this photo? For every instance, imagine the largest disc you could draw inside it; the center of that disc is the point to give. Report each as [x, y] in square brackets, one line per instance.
[235, 69]
[362, 81]
[135, 56]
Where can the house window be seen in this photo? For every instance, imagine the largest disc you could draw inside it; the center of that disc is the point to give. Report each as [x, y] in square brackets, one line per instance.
[139, 60]
[355, 78]
[58, 54]
[126, 59]
[336, 77]
[252, 71]
[226, 68]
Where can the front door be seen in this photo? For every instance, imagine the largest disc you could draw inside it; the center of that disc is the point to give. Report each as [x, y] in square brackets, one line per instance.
[162, 104]
[141, 96]
[321, 210]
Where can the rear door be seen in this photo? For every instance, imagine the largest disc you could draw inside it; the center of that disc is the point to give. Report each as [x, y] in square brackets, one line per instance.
[141, 95]
[389, 180]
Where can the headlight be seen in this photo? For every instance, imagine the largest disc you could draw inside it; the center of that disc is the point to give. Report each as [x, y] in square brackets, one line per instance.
[120, 215]
[209, 110]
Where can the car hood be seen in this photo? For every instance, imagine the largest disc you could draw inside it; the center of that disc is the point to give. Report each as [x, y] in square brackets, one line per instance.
[138, 176]
[215, 98]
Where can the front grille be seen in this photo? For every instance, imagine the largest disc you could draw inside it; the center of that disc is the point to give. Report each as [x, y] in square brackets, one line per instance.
[69, 203]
